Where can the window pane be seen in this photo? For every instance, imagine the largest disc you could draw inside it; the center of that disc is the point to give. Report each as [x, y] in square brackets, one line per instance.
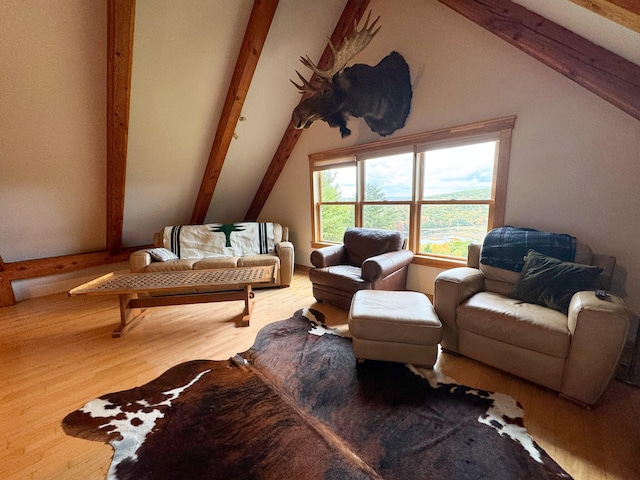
[459, 173]
[338, 184]
[448, 229]
[388, 178]
[334, 220]
[386, 217]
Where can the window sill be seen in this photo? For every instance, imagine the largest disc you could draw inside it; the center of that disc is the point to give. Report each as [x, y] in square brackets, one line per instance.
[315, 245]
[438, 262]
[418, 259]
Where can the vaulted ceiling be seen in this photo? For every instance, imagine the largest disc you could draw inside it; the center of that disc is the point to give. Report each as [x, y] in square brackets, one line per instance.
[224, 128]
[595, 68]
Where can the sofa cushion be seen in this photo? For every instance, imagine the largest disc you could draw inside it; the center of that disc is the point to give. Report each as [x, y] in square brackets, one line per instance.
[499, 274]
[344, 278]
[259, 261]
[584, 254]
[511, 321]
[216, 262]
[171, 265]
[551, 282]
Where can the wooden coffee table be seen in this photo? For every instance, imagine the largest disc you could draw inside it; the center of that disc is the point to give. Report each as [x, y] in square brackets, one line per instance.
[139, 291]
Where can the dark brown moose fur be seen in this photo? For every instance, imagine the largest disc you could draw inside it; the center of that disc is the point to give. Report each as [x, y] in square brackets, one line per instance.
[380, 94]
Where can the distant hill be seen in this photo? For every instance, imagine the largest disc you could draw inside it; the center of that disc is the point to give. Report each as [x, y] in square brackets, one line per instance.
[477, 194]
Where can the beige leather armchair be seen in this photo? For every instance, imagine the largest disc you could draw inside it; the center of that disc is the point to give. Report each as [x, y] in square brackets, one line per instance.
[369, 259]
[575, 354]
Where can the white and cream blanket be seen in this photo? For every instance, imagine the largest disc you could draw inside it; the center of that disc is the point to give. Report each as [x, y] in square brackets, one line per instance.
[219, 239]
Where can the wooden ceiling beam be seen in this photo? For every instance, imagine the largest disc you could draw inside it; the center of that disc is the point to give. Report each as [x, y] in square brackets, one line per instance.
[120, 25]
[42, 267]
[351, 15]
[255, 35]
[600, 71]
[623, 12]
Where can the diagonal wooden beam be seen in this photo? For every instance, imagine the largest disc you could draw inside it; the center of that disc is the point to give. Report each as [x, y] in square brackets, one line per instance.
[120, 24]
[352, 13]
[623, 12]
[600, 71]
[254, 38]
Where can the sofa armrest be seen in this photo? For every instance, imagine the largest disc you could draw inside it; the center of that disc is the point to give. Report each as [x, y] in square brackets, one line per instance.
[286, 253]
[328, 256]
[376, 268]
[138, 260]
[452, 287]
[599, 331]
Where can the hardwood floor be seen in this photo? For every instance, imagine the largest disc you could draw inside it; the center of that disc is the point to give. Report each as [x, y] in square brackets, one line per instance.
[56, 353]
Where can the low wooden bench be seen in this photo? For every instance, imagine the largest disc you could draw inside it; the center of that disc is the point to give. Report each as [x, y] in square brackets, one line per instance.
[139, 291]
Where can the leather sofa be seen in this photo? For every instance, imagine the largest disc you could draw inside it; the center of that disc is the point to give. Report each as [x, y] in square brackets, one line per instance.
[281, 256]
[368, 259]
[575, 354]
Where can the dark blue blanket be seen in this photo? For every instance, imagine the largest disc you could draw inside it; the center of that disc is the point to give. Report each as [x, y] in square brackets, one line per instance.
[507, 247]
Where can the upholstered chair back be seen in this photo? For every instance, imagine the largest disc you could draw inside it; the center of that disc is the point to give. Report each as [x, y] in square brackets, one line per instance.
[363, 243]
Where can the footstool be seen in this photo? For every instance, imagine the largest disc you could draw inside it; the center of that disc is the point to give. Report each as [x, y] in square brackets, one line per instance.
[395, 327]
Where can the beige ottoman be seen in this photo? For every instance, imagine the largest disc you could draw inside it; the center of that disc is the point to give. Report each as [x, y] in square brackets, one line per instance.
[394, 326]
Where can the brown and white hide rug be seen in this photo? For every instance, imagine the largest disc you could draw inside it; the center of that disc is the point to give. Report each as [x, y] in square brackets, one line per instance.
[298, 406]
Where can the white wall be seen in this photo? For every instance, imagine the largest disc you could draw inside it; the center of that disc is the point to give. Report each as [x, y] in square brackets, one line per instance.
[53, 79]
[574, 160]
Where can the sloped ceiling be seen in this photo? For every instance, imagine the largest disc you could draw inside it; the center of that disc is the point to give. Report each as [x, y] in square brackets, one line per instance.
[183, 60]
[52, 97]
[182, 64]
[611, 24]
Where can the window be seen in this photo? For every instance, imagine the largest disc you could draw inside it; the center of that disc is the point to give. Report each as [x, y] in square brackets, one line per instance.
[457, 184]
[443, 189]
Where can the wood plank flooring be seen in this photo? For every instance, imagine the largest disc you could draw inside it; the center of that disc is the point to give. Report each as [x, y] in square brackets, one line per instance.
[56, 353]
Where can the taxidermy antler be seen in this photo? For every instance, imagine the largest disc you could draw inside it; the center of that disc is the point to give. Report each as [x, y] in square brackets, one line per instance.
[351, 46]
[380, 94]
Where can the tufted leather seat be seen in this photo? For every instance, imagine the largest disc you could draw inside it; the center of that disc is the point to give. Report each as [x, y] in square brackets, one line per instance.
[369, 259]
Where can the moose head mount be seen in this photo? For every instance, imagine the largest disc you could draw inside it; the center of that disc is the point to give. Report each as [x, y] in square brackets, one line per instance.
[380, 94]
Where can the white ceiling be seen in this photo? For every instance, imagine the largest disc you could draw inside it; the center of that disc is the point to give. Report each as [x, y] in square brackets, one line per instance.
[600, 30]
[183, 61]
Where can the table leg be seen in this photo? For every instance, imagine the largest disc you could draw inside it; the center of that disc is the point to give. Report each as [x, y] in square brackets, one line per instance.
[127, 314]
[248, 306]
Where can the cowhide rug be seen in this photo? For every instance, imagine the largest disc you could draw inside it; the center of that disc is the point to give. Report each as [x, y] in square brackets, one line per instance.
[298, 406]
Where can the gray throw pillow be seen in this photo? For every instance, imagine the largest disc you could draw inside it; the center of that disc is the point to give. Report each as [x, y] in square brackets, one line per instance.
[551, 282]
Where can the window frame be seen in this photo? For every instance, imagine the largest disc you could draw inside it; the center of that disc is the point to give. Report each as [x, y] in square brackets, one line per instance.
[499, 129]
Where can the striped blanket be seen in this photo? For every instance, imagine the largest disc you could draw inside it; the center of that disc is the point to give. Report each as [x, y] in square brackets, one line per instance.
[507, 247]
[219, 239]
